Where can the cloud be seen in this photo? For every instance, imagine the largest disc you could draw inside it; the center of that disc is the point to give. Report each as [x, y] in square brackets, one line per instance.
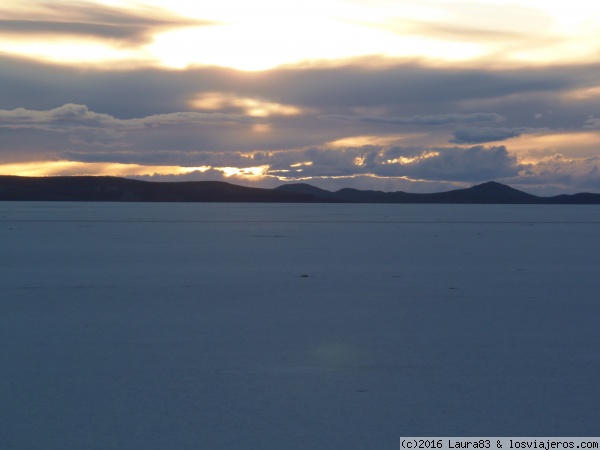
[403, 89]
[250, 106]
[440, 164]
[330, 183]
[436, 119]
[126, 26]
[557, 174]
[169, 158]
[434, 164]
[592, 123]
[486, 134]
[477, 163]
[71, 117]
[102, 138]
[473, 22]
[82, 127]
[463, 32]
[365, 82]
[147, 116]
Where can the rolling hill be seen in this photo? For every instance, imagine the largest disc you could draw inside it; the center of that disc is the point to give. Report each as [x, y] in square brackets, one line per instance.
[115, 189]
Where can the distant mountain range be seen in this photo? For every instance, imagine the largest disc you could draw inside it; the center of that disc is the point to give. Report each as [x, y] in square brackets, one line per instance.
[114, 189]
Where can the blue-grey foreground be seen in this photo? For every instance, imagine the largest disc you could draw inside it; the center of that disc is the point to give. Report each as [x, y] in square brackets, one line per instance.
[271, 326]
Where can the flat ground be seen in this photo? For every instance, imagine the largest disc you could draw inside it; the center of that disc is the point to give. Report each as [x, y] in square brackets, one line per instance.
[255, 326]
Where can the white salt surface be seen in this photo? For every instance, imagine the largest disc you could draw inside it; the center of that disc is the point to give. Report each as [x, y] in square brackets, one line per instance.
[192, 326]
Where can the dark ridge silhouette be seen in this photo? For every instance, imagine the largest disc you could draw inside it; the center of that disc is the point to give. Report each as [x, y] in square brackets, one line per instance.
[115, 189]
[490, 192]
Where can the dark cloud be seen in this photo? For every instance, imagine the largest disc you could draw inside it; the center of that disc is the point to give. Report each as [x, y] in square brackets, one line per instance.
[186, 130]
[71, 117]
[440, 164]
[403, 89]
[413, 85]
[435, 119]
[486, 134]
[437, 164]
[592, 123]
[472, 164]
[557, 174]
[124, 93]
[128, 27]
[167, 158]
[102, 138]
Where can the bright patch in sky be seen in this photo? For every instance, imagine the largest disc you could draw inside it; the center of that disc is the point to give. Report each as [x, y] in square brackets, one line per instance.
[264, 34]
[73, 168]
[250, 106]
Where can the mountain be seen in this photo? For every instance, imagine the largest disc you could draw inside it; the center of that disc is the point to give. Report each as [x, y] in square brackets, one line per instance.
[490, 192]
[485, 193]
[114, 189]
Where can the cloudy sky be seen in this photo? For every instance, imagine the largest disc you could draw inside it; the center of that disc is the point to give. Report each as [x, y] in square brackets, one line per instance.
[415, 95]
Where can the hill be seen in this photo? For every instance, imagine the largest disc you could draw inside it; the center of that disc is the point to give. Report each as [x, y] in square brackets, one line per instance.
[490, 192]
[115, 189]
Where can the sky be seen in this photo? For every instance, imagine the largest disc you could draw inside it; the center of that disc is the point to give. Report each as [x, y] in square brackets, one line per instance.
[412, 95]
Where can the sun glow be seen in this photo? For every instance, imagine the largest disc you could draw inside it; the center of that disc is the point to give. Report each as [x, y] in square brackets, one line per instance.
[575, 144]
[359, 141]
[264, 34]
[411, 160]
[262, 43]
[583, 94]
[359, 161]
[215, 101]
[75, 168]
[72, 168]
[245, 171]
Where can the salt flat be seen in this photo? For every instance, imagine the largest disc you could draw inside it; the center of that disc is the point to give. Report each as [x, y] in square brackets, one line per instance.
[278, 326]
